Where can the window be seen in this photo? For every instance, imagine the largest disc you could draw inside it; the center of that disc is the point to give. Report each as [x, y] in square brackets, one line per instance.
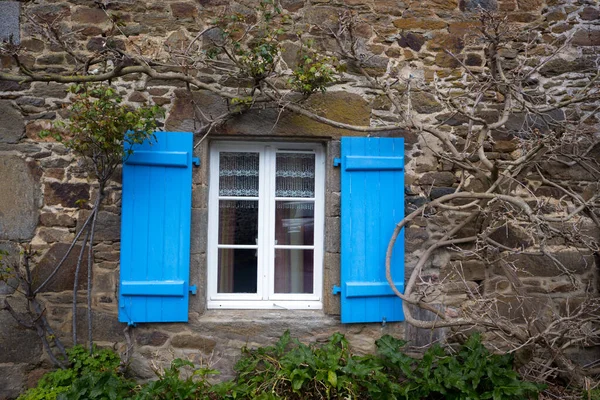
[266, 207]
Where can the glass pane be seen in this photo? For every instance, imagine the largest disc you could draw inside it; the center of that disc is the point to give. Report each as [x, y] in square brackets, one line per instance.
[293, 271]
[238, 174]
[238, 221]
[294, 222]
[237, 271]
[295, 175]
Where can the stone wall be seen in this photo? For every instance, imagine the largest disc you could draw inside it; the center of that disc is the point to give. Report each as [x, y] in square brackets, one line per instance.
[44, 186]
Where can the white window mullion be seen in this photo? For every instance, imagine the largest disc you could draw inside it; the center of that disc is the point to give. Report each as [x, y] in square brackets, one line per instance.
[270, 227]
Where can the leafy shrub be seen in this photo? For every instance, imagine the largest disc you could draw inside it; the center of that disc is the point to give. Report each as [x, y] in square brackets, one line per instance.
[471, 373]
[292, 370]
[170, 385]
[92, 376]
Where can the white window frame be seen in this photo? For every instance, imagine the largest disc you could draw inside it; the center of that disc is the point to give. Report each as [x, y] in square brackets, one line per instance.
[265, 298]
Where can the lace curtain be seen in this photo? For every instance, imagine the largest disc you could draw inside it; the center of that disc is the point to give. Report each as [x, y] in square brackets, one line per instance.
[295, 175]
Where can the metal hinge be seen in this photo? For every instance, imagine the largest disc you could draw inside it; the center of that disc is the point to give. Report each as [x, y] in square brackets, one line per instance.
[193, 289]
[336, 289]
[196, 161]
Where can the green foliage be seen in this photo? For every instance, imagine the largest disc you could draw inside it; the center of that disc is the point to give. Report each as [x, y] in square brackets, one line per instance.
[171, 386]
[471, 373]
[314, 71]
[92, 376]
[102, 129]
[292, 370]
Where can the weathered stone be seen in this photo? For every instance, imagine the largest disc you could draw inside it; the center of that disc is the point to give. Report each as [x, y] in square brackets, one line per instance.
[108, 225]
[529, 5]
[13, 125]
[332, 239]
[65, 276]
[438, 179]
[558, 66]
[49, 13]
[528, 265]
[292, 5]
[137, 97]
[425, 103]
[12, 377]
[19, 202]
[14, 336]
[505, 146]
[511, 236]
[523, 309]
[474, 5]
[420, 24]
[177, 40]
[446, 60]
[586, 37]
[411, 40]
[198, 236]
[414, 238]
[324, 17]
[102, 43]
[52, 235]
[290, 53]
[192, 341]
[11, 259]
[9, 22]
[10, 86]
[66, 194]
[437, 192]
[105, 326]
[590, 14]
[154, 338]
[184, 10]
[182, 115]
[469, 270]
[45, 90]
[344, 107]
[373, 65]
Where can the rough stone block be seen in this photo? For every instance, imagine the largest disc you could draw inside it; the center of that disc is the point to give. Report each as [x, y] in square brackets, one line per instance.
[333, 234]
[12, 127]
[20, 201]
[65, 277]
[438, 179]
[12, 377]
[182, 115]
[19, 345]
[66, 194]
[344, 107]
[526, 265]
[193, 341]
[108, 225]
[199, 231]
[151, 338]
[54, 219]
[9, 21]
[469, 270]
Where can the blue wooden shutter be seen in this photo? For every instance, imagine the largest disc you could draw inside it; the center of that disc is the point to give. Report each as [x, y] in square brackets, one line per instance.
[155, 230]
[372, 204]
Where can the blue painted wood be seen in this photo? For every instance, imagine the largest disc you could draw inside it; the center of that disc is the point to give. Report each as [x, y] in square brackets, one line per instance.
[371, 289]
[159, 158]
[366, 163]
[153, 288]
[372, 205]
[155, 230]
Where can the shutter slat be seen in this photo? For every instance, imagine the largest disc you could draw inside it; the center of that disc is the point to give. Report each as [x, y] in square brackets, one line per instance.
[155, 233]
[372, 204]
